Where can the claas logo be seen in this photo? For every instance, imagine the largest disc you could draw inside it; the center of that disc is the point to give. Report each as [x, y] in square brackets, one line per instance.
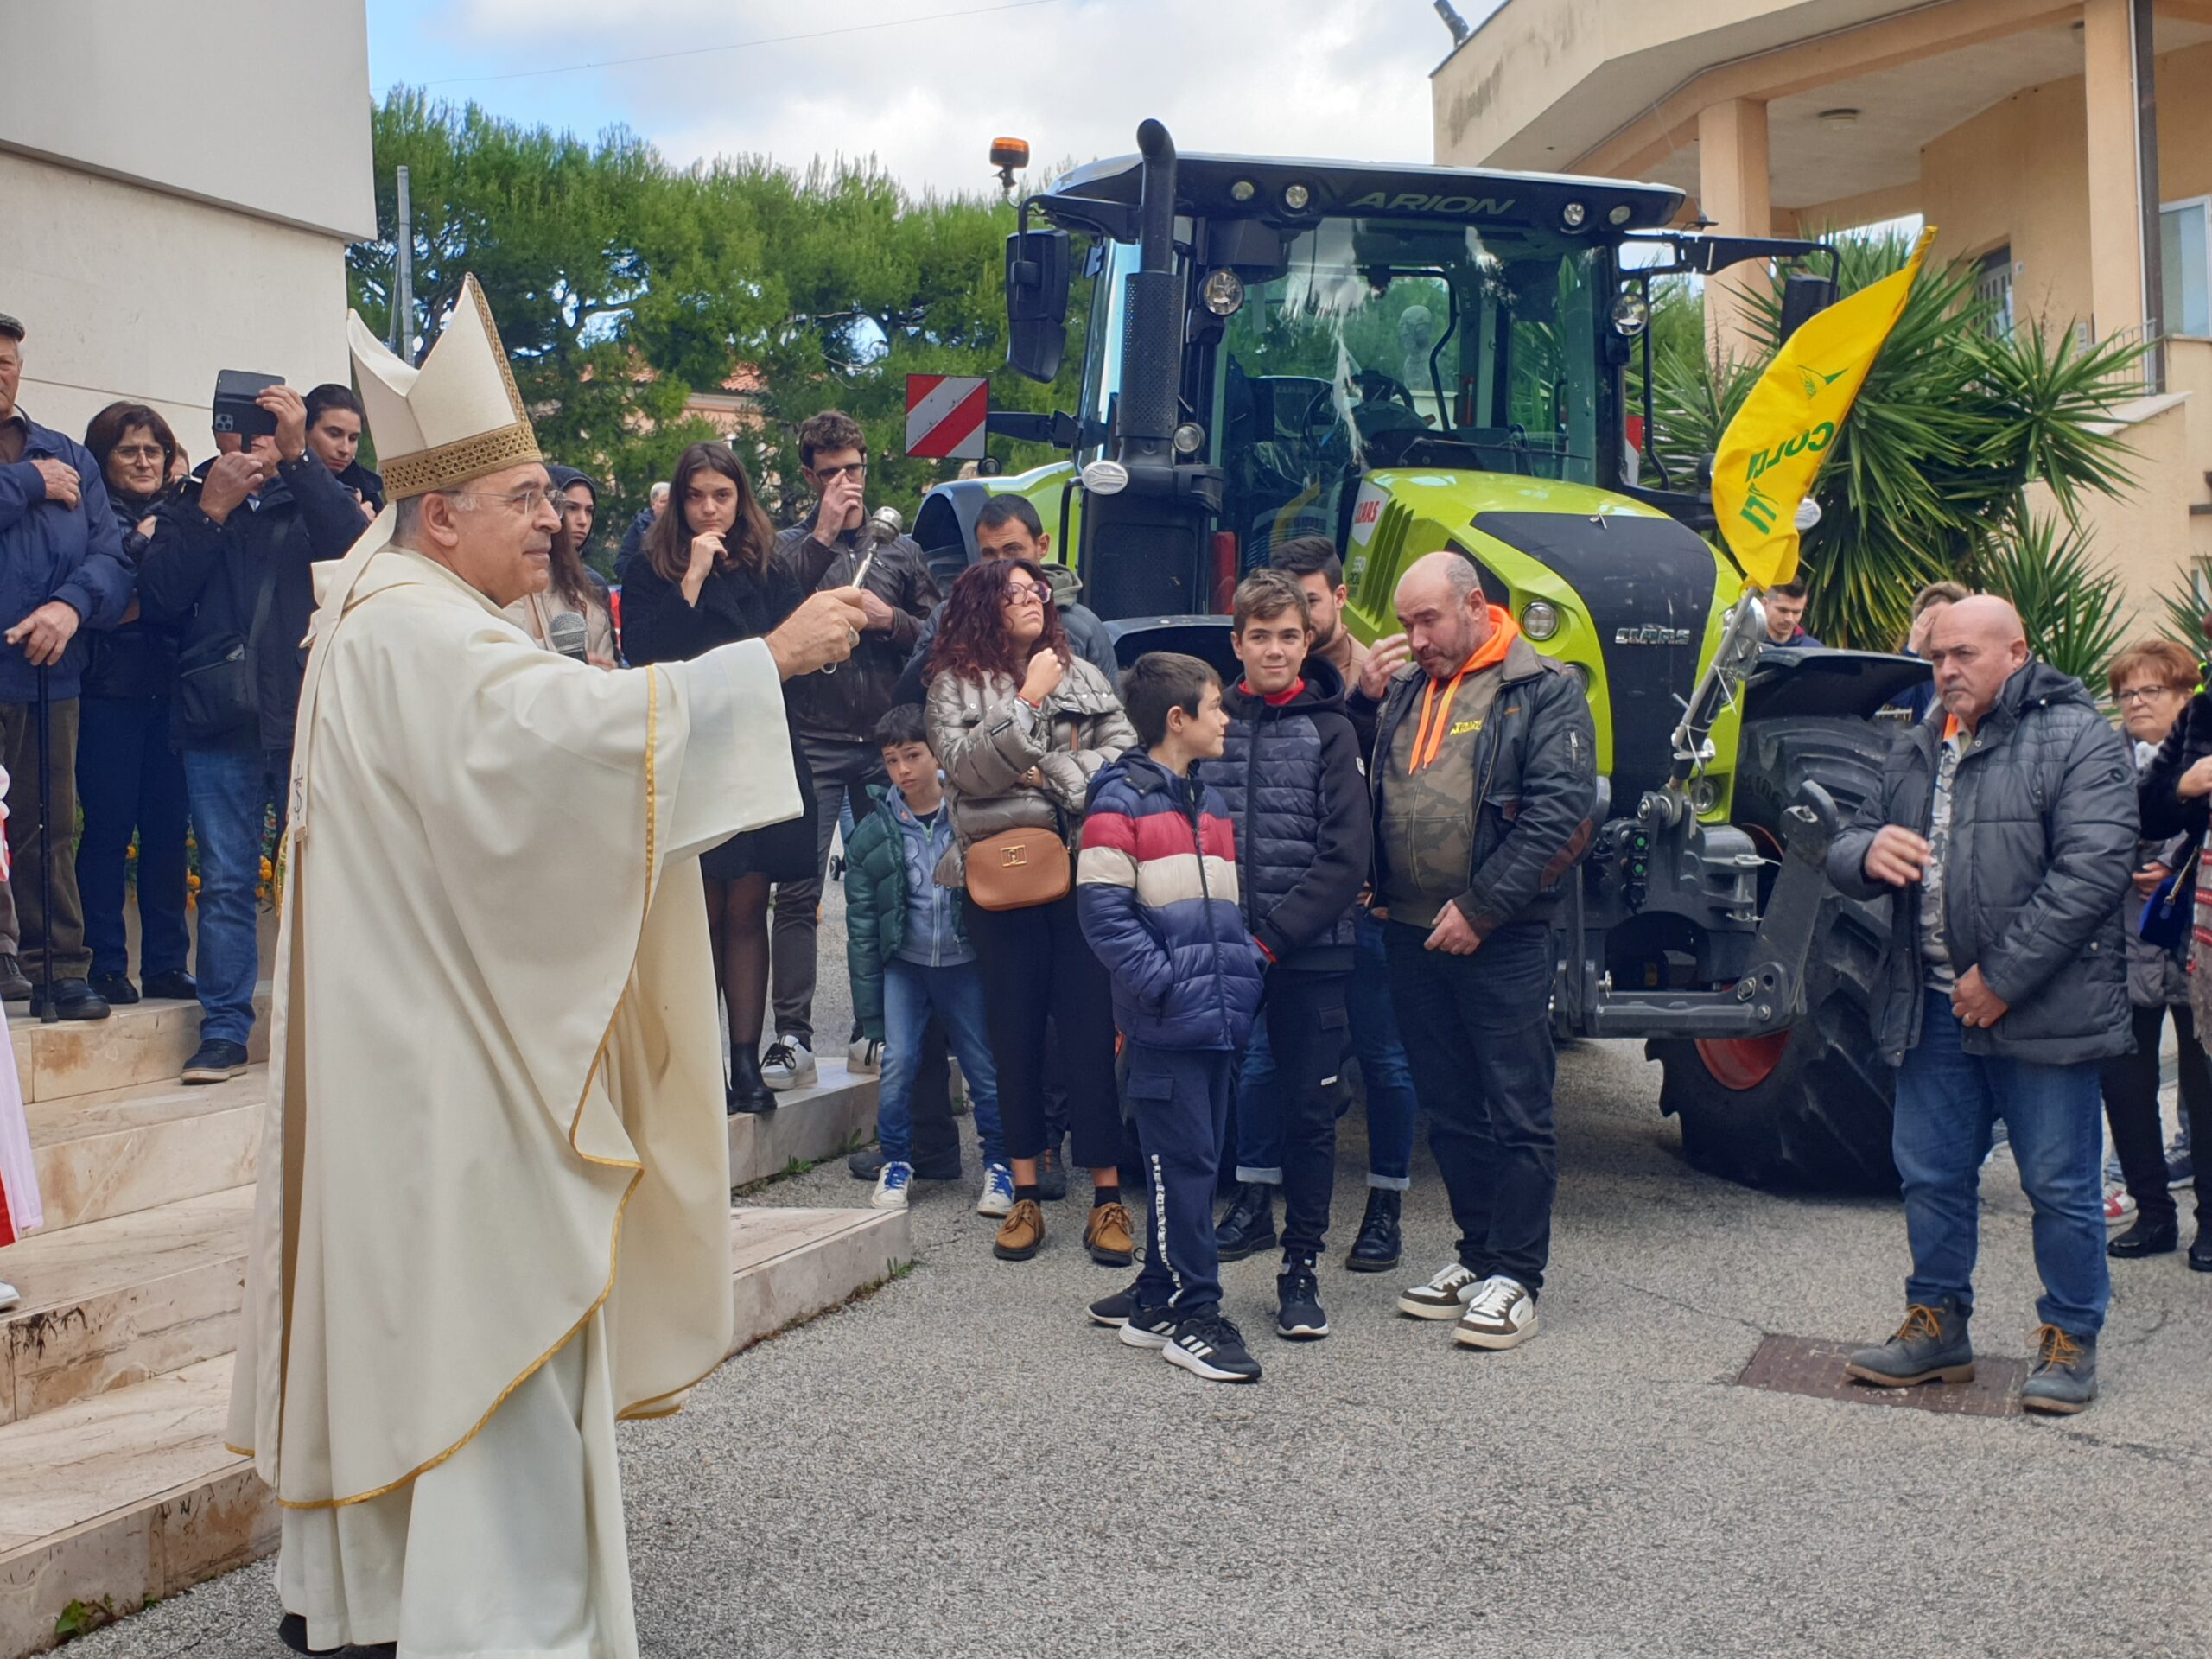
[1368, 511]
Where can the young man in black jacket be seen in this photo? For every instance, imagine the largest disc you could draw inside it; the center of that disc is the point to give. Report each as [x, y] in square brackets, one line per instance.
[229, 566]
[1483, 775]
[1290, 778]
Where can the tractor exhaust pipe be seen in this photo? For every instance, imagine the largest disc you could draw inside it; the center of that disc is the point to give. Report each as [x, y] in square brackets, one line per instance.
[1152, 324]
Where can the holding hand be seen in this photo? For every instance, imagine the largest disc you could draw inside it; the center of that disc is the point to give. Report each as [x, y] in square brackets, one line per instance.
[879, 615]
[291, 412]
[2147, 878]
[1046, 672]
[1898, 856]
[45, 632]
[229, 482]
[62, 483]
[1387, 658]
[823, 631]
[2197, 781]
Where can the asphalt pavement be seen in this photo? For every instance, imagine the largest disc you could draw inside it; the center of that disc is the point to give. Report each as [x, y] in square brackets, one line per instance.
[958, 1464]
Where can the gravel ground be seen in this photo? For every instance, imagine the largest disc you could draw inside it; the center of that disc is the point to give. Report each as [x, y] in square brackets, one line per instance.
[958, 1464]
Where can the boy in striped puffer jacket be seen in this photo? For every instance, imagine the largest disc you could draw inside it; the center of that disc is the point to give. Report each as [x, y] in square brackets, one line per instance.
[1157, 892]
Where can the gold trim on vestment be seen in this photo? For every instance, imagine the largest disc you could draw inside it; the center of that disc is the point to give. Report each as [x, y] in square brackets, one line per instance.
[636, 1166]
[450, 465]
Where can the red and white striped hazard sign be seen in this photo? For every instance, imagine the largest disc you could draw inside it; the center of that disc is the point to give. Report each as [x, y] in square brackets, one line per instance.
[945, 414]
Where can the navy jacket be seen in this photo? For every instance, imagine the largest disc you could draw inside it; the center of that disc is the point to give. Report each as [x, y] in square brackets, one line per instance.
[1290, 778]
[1156, 887]
[49, 551]
[202, 579]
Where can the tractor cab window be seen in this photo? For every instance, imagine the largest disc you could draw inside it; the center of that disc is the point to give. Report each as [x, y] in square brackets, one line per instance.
[1389, 342]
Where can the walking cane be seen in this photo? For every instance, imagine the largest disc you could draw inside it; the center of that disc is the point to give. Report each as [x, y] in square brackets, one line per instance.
[49, 1012]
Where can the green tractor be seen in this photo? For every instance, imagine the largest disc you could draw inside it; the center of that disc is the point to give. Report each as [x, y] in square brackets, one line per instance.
[1409, 359]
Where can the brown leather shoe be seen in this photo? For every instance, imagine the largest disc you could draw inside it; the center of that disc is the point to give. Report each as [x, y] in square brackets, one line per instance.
[1021, 1235]
[1109, 1237]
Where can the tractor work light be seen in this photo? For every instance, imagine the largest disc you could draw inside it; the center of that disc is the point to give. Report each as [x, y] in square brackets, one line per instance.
[1575, 216]
[1295, 197]
[1705, 795]
[1539, 619]
[1190, 438]
[1223, 292]
[1582, 674]
[1621, 214]
[1243, 190]
[1631, 315]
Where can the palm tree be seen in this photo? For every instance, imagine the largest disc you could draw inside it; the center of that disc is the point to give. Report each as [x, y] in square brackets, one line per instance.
[1926, 480]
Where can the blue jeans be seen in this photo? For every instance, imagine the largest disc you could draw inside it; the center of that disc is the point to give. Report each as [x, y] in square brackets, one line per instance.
[129, 778]
[232, 792]
[1947, 1101]
[911, 992]
[1391, 1102]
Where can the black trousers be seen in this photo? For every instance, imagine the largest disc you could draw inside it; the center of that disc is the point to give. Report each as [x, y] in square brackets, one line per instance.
[1306, 1029]
[2131, 1090]
[1036, 966]
[1478, 1036]
[1178, 1106]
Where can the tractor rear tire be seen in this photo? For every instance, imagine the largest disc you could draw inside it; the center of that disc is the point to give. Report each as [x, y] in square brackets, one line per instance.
[1809, 1109]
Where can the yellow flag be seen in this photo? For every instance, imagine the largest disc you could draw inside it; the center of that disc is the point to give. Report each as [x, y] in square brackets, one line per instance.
[1773, 448]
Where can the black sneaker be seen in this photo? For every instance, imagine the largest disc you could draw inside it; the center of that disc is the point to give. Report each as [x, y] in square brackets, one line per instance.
[117, 989]
[179, 987]
[73, 999]
[1115, 1310]
[866, 1164]
[1051, 1174]
[1250, 1225]
[1299, 1317]
[1208, 1345]
[216, 1061]
[1147, 1327]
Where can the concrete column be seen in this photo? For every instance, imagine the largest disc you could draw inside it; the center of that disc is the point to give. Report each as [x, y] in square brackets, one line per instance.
[1733, 193]
[2116, 205]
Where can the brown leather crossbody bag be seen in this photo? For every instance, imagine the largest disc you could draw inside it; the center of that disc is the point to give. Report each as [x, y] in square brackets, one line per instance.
[1016, 869]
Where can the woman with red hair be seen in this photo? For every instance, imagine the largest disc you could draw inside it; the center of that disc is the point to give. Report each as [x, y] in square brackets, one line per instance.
[1020, 725]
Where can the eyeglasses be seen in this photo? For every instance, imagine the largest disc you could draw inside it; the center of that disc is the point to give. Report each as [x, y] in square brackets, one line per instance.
[139, 452]
[2145, 693]
[527, 502]
[1018, 591]
[850, 469]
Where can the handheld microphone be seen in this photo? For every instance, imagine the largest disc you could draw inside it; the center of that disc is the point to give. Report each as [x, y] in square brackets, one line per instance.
[571, 635]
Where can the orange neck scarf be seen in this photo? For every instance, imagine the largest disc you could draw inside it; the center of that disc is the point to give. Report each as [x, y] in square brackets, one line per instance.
[1436, 712]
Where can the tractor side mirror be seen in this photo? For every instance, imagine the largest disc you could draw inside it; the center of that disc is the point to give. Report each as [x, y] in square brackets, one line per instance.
[1036, 302]
[1802, 295]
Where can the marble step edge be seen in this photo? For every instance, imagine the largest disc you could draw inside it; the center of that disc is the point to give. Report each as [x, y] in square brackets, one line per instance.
[222, 1518]
[146, 1042]
[807, 1126]
[112, 1303]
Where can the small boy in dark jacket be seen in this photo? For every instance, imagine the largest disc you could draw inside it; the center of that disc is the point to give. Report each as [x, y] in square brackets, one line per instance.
[1290, 777]
[909, 958]
[1156, 887]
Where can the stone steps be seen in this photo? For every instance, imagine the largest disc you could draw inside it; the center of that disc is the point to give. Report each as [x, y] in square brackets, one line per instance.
[145, 1043]
[132, 1495]
[807, 1126]
[127, 1149]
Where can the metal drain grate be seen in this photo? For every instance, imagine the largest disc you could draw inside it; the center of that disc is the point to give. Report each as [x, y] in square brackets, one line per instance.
[1810, 1366]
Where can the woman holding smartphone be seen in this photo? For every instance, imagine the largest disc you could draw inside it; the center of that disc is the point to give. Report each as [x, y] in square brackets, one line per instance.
[706, 577]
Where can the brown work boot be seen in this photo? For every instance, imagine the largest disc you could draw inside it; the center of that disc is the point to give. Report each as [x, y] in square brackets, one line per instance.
[1021, 1235]
[1109, 1236]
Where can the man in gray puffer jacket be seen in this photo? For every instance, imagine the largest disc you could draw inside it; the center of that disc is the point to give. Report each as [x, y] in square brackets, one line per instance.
[2006, 826]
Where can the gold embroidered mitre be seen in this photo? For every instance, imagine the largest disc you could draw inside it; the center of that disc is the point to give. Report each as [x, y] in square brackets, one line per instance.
[457, 417]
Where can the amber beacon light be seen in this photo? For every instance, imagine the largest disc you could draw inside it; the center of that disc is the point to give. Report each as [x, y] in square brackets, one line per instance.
[1009, 155]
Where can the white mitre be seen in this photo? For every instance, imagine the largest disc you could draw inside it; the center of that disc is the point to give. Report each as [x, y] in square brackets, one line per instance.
[458, 416]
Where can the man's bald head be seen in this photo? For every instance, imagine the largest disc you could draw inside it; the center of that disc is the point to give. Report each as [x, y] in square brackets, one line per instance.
[1976, 645]
[1440, 606]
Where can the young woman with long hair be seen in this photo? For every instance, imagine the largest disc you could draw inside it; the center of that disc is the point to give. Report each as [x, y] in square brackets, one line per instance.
[1020, 725]
[706, 577]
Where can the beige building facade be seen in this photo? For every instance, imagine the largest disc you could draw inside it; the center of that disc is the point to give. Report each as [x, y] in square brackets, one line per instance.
[178, 187]
[2065, 148]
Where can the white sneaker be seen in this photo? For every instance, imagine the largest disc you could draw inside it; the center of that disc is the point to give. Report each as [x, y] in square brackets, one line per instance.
[998, 1192]
[1442, 1297]
[1500, 1314]
[864, 1057]
[2119, 1206]
[789, 1063]
[9, 1296]
[891, 1186]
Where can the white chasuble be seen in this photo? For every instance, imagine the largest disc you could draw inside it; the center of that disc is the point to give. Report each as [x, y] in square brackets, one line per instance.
[495, 1119]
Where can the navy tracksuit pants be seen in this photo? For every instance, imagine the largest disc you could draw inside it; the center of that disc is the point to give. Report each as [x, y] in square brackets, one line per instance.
[1178, 1106]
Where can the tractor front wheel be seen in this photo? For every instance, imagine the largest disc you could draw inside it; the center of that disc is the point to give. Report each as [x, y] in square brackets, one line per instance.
[1810, 1107]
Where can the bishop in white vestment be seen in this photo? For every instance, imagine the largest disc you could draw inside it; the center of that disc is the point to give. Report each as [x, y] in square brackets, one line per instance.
[494, 1186]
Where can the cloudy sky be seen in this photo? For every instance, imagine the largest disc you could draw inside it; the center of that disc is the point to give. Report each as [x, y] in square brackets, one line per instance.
[925, 85]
